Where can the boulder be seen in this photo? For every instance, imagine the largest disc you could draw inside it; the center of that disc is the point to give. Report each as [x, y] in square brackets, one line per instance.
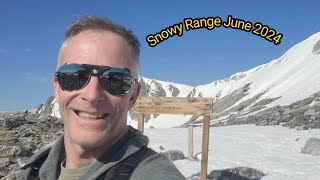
[10, 123]
[238, 173]
[310, 112]
[13, 151]
[312, 147]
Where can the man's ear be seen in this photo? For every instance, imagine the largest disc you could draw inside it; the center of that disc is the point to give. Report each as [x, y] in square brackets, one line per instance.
[135, 94]
[56, 88]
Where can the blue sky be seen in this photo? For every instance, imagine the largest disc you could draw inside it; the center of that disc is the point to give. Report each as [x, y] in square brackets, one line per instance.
[31, 33]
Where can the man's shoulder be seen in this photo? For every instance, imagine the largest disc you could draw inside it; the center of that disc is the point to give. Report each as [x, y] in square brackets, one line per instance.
[157, 166]
[124, 169]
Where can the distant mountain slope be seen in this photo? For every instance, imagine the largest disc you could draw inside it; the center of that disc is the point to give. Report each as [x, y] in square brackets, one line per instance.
[292, 77]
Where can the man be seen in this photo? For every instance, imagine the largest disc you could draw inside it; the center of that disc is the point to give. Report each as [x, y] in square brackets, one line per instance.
[95, 85]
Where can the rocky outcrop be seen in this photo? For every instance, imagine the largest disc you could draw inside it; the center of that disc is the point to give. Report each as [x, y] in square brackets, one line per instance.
[226, 102]
[23, 133]
[46, 107]
[316, 48]
[156, 88]
[304, 114]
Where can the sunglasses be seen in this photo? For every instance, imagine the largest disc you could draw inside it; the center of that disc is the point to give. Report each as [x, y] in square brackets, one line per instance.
[116, 81]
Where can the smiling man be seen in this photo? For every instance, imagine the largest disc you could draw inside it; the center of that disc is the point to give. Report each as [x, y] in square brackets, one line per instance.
[95, 85]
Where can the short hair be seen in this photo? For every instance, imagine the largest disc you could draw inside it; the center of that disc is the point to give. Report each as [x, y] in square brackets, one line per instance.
[102, 23]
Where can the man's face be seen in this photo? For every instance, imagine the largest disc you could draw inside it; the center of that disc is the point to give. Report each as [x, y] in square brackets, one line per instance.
[81, 110]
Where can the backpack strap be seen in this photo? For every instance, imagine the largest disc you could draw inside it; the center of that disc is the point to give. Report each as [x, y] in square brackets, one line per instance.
[31, 170]
[36, 166]
[124, 169]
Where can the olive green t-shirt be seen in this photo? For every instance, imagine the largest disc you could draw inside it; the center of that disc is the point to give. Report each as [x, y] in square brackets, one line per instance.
[71, 174]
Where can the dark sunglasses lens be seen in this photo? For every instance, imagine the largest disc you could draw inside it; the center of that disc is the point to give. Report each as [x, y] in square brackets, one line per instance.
[116, 81]
[72, 77]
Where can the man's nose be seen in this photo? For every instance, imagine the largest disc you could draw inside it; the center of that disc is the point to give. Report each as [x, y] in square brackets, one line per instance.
[93, 92]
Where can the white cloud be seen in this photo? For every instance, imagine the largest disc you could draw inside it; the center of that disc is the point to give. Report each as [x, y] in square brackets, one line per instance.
[27, 50]
[3, 51]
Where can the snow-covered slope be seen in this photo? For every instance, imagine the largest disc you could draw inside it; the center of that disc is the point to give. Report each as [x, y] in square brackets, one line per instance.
[292, 77]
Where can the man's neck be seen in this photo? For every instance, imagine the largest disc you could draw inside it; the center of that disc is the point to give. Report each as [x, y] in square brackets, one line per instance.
[77, 156]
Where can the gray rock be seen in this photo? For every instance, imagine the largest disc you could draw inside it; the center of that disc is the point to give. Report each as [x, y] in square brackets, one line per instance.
[10, 123]
[225, 102]
[175, 91]
[262, 123]
[298, 119]
[312, 147]
[14, 167]
[310, 112]
[173, 155]
[303, 127]
[297, 112]
[192, 93]
[8, 150]
[238, 173]
[313, 118]
[4, 163]
[32, 118]
[275, 122]
[11, 175]
[287, 118]
[316, 48]
[314, 125]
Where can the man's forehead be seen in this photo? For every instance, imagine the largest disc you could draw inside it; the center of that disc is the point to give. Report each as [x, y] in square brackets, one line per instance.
[95, 44]
[90, 35]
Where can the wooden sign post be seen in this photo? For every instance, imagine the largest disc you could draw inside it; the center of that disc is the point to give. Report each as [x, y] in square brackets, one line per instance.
[179, 105]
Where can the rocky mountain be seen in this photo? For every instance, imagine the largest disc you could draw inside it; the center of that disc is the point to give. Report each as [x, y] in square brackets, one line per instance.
[284, 91]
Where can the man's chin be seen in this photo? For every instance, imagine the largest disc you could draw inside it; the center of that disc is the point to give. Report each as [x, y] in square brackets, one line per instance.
[90, 141]
[92, 145]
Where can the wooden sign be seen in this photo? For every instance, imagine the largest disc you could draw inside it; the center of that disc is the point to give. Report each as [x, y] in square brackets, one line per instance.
[179, 105]
[174, 105]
